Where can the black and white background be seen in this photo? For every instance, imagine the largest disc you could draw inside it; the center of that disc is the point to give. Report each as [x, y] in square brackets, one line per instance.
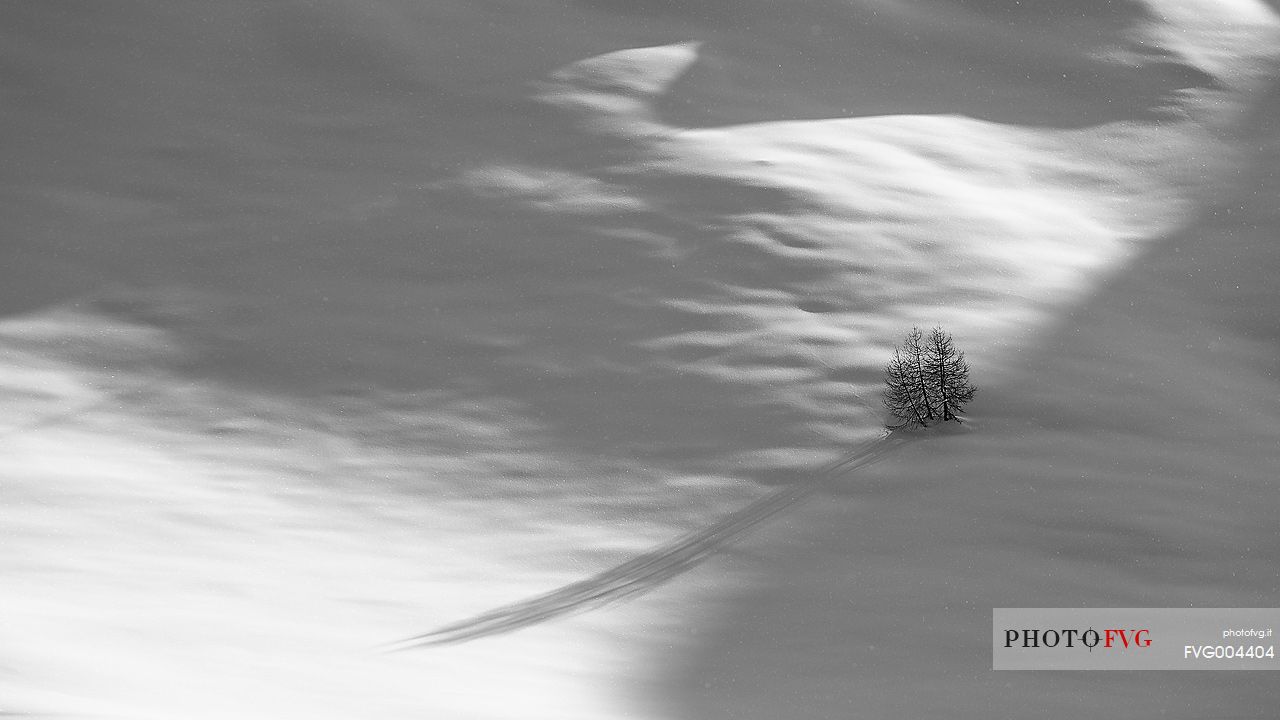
[328, 323]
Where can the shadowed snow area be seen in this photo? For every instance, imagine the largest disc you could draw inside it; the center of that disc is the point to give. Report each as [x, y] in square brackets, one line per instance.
[1130, 462]
[329, 324]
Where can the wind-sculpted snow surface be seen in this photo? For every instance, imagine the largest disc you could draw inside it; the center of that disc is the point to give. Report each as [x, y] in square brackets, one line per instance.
[327, 323]
[655, 567]
[1131, 462]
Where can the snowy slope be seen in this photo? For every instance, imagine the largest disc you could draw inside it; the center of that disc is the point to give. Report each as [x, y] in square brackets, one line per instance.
[1129, 461]
[331, 323]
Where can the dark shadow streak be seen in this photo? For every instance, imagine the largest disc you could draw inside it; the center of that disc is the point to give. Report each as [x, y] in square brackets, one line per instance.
[655, 567]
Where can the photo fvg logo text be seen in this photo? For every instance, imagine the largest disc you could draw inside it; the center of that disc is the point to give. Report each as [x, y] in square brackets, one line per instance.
[1134, 638]
[1090, 638]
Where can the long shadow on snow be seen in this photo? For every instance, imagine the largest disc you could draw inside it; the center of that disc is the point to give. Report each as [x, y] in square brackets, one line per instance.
[655, 567]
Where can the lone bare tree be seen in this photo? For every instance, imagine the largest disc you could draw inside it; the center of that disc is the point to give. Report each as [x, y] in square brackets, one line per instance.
[905, 394]
[927, 379]
[947, 374]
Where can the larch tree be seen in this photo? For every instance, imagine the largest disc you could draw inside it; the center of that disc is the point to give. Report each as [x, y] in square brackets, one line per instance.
[903, 394]
[914, 348]
[927, 380]
[947, 374]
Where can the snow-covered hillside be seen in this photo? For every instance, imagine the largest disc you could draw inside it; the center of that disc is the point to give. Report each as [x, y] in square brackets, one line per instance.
[330, 323]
